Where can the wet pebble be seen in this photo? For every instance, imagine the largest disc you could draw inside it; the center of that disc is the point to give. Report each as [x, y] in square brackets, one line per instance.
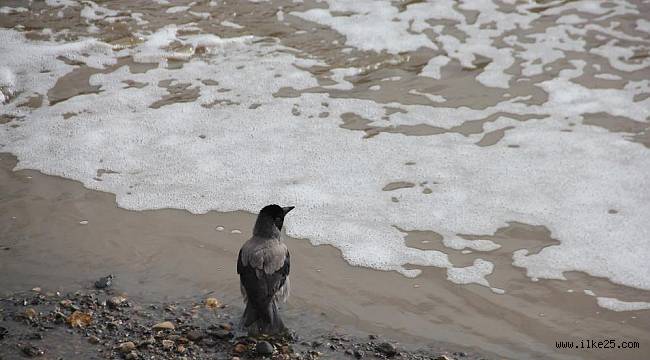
[126, 347]
[387, 349]
[264, 348]
[32, 351]
[165, 325]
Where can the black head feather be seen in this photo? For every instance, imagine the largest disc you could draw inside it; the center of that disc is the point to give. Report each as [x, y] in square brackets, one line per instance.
[270, 220]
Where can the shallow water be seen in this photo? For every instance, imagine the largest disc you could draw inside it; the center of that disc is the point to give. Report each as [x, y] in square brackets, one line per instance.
[500, 146]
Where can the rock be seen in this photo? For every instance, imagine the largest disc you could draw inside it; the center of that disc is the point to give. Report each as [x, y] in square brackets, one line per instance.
[372, 337]
[165, 325]
[116, 301]
[133, 355]
[211, 303]
[443, 357]
[30, 313]
[167, 344]
[104, 282]
[126, 347]
[222, 334]
[37, 289]
[195, 335]
[387, 349]
[181, 349]
[79, 319]
[264, 348]
[239, 348]
[65, 303]
[93, 340]
[3, 332]
[31, 351]
[358, 354]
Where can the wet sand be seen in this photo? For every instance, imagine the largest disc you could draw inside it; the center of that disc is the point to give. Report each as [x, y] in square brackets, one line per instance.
[171, 254]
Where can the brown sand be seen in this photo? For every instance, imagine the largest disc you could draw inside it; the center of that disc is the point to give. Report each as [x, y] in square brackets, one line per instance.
[172, 254]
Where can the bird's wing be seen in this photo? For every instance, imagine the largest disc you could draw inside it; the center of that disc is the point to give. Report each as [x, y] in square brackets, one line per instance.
[260, 281]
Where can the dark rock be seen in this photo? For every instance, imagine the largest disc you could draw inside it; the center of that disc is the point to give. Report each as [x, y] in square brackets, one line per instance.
[358, 354]
[387, 349]
[316, 344]
[195, 335]
[31, 351]
[264, 348]
[93, 340]
[372, 337]
[3, 332]
[104, 282]
[222, 334]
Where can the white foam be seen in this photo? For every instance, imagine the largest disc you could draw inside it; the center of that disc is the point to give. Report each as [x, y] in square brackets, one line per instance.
[7, 84]
[589, 292]
[61, 3]
[12, 10]
[608, 77]
[643, 25]
[473, 274]
[432, 69]
[618, 305]
[177, 9]
[231, 24]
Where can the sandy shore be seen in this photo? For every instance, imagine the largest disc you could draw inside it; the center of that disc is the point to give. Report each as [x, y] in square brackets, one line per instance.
[172, 255]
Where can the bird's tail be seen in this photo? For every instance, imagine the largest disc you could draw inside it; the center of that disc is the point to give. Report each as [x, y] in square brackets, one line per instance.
[263, 319]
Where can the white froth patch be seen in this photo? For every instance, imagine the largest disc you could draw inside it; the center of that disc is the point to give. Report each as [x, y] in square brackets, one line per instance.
[231, 24]
[618, 305]
[61, 3]
[643, 25]
[12, 10]
[432, 69]
[473, 274]
[589, 292]
[177, 9]
[7, 84]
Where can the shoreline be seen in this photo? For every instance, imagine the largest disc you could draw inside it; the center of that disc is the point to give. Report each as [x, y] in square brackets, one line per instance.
[172, 255]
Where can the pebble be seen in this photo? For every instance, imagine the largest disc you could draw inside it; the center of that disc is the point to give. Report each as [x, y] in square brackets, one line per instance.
[358, 354]
[235, 231]
[387, 349]
[264, 348]
[126, 347]
[93, 340]
[116, 301]
[83, 222]
[32, 351]
[104, 282]
[167, 344]
[239, 348]
[132, 356]
[165, 325]
[219, 228]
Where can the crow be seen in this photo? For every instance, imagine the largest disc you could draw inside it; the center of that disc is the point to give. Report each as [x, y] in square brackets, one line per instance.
[263, 268]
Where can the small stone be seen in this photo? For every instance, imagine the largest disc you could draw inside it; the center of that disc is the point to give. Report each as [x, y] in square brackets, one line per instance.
[83, 222]
[30, 313]
[32, 351]
[132, 356]
[387, 349]
[219, 228]
[116, 301]
[221, 334]
[239, 348]
[195, 335]
[211, 303]
[93, 340]
[165, 325]
[79, 319]
[372, 337]
[104, 282]
[443, 357]
[37, 289]
[358, 354]
[264, 348]
[126, 347]
[65, 303]
[167, 344]
[181, 349]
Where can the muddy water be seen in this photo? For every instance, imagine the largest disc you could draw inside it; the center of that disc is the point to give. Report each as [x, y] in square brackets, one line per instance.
[171, 254]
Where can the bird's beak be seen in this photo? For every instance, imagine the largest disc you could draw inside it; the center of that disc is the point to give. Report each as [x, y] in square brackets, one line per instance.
[287, 209]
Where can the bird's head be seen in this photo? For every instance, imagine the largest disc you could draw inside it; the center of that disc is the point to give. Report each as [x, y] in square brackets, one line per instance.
[270, 220]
